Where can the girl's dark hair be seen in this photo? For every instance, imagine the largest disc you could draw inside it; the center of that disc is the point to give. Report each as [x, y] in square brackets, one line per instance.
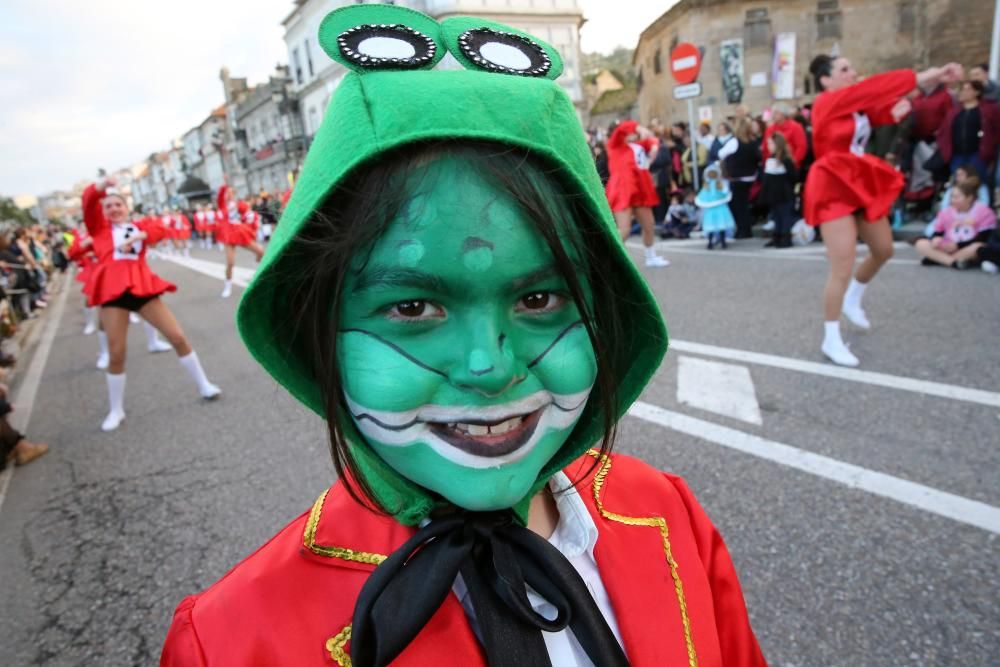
[780, 146]
[976, 86]
[821, 65]
[969, 187]
[359, 210]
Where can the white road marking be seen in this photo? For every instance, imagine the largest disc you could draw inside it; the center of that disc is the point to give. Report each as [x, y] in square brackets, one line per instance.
[927, 387]
[758, 254]
[241, 275]
[725, 389]
[24, 402]
[942, 503]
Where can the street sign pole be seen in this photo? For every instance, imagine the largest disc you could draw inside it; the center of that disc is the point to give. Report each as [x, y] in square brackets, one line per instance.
[694, 144]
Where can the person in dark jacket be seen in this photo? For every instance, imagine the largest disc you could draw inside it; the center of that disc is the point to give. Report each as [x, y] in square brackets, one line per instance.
[741, 162]
[777, 190]
[970, 132]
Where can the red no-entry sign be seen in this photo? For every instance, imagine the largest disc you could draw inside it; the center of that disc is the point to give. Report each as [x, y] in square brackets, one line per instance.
[685, 63]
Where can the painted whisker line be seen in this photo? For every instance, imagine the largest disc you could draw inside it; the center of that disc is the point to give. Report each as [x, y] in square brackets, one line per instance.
[574, 408]
[558, 338]
[382, 424]
[397, 348]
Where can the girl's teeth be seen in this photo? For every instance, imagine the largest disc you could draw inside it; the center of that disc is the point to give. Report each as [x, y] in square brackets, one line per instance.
[477, 429]
[480, 430]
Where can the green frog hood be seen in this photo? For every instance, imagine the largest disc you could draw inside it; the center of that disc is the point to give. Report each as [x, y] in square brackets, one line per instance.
[505, 92]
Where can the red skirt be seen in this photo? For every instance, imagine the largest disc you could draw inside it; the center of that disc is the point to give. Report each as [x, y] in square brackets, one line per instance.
[243, 234]
[109, 280]
[632, 189]
[842, 184]
[183, 234]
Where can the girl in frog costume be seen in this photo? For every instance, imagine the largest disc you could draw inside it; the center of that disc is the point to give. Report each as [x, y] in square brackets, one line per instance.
[448, 290]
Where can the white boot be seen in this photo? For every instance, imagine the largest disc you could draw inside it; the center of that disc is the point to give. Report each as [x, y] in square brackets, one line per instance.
[193, 367]
[134, 318]
[153, 341]
[227, 289]
[103, 356]
[852, 309]
[653, 259]
[91, 315]
[116, 397]
[835, 348]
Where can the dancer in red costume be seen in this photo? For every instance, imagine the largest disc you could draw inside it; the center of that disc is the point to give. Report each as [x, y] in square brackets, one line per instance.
[237, 228]
[122, 283]
[182, 233]
[849, 192]
[81, 251]
[630, 190]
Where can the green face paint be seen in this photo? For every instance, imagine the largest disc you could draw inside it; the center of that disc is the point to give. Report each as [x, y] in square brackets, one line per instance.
[464, 360]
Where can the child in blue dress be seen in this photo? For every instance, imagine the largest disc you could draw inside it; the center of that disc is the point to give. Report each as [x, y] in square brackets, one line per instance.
[713, 200]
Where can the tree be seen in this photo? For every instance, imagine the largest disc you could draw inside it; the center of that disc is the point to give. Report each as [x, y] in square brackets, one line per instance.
[10, 211]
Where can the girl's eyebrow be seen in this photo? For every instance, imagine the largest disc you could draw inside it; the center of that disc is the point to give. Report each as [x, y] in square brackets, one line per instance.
[537, 276]
[379, 276]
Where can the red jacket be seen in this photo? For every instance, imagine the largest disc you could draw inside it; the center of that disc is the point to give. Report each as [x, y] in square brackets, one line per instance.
[929, 111]
[989, 123]
[794, 135]
[671, 582]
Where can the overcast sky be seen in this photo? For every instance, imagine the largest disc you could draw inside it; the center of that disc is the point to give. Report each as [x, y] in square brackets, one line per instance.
[104, 83]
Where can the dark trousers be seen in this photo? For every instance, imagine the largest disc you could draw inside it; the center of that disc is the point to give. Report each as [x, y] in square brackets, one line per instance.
[739, 206]
[989, 253]
[783, 215]
[9, 437]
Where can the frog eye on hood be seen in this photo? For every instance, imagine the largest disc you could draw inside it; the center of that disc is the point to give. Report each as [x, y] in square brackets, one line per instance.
[366, 38]
[493, 47]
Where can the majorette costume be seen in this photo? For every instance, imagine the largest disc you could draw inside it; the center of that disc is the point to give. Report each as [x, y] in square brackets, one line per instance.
[630, 185]
[239, 226]
[182, 227]
[336, 586]
[844, 179]
[120, 270]
[84, 257]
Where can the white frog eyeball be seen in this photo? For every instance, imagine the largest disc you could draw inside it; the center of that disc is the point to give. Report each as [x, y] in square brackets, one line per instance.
[504, 52]
[386, 46]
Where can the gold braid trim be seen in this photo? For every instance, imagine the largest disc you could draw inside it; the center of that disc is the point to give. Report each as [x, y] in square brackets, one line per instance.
[658, 522]
[335, 646]
[309, 540]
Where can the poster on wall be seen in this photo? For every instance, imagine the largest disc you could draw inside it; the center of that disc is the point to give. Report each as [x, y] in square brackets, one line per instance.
[731, 57]
[783, 67]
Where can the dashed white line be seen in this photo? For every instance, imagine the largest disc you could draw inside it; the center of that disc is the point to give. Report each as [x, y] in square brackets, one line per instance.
[942, 503]
[725, 389]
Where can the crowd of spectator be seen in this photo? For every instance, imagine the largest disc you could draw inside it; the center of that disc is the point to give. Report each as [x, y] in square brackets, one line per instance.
[952, 134]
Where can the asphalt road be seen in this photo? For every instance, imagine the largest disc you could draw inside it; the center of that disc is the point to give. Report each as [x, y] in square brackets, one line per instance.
[105, 535]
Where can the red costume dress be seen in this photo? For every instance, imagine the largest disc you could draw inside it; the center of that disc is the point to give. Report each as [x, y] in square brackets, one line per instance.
[182, 227]
[844, 179]
[199, 222]
[238, 224]
[85, 260]
[119, 270]
[669, 577]
[629, 185]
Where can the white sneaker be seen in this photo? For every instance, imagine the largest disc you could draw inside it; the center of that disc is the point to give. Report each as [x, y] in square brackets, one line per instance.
[856, 316]
[134, 318]
[89, 329]
[211, 392]
[839, 354]
[103, 360]
[159, 346]
[227, 291]
[656, 261]
[990, 267]
[112, 421]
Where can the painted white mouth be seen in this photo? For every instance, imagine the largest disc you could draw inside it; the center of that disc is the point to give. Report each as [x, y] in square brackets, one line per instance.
[399, 429]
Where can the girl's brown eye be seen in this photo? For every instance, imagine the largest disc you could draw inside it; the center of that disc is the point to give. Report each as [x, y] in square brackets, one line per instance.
[536, 301]
[411, 308]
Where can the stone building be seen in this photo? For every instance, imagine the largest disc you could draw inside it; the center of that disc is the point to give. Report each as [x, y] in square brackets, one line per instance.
[876, 35]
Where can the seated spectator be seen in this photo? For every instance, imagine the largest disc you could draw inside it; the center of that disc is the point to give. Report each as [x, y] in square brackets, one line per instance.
[970, 133]
[962, 173]
[682, 216]
[960, 229]
[14, 447]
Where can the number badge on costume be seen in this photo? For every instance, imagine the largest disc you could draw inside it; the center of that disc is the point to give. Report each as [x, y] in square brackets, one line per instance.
[120, 235]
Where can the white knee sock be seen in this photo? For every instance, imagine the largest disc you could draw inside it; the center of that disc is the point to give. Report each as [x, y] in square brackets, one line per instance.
[153, 341]
[116, 399]
[102, 350]
[855, 292]
[90, 320]
[197, 373]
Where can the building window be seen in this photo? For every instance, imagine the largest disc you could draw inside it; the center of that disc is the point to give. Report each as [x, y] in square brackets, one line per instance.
[658, 62]
[674, 41]
[638, 80]
[757, 28]
[297, 63]
[907, 17]
[828, 19]
[808, 84]
[309, 59]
